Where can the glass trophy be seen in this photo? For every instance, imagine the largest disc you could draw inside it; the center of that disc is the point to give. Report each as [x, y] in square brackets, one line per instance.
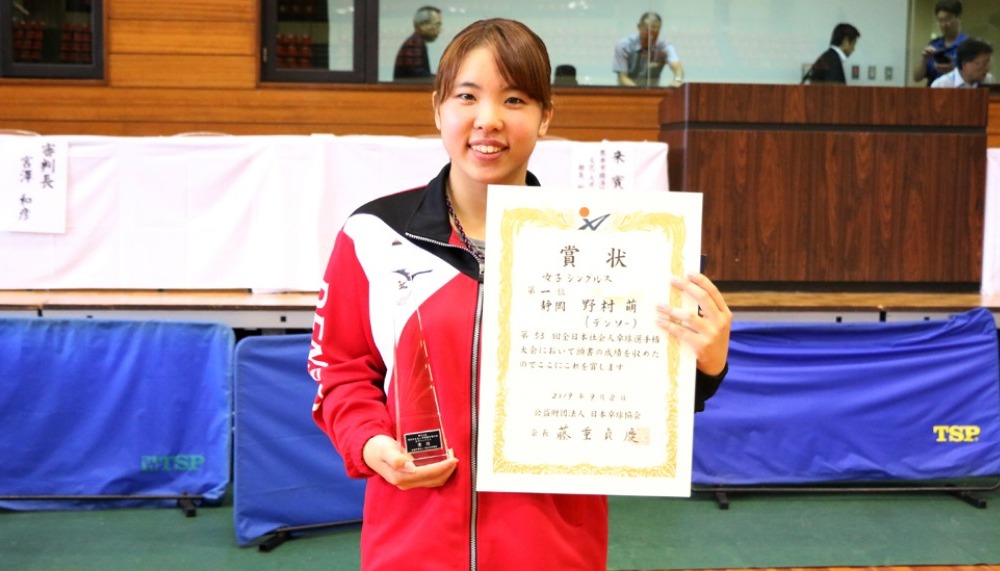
[418, 418]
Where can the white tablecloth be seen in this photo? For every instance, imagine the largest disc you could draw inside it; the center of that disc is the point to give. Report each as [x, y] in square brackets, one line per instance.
[249, 212]
[991, 234]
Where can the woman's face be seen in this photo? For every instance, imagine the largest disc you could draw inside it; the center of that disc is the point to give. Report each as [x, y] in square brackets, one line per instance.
[488, 127]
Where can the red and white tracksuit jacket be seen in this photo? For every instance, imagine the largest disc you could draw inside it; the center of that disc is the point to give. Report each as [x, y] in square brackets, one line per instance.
[394, 255]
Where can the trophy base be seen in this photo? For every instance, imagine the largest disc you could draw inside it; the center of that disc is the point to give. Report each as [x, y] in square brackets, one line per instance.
[426, 447]
[429, 458]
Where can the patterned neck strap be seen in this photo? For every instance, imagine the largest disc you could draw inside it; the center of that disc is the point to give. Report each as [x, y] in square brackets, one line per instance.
[476, 252]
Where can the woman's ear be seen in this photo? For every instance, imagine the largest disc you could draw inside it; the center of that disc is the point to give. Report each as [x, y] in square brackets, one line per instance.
[437, 110]
[546, 119]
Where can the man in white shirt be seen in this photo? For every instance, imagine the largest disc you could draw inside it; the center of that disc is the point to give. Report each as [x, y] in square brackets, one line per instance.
[972, 66]
[640, 58]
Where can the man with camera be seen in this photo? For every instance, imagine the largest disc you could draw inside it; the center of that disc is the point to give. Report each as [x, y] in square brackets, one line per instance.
[938, 58]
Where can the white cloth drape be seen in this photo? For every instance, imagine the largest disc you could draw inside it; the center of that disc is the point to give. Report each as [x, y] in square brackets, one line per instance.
[256, 212]
[991, 234]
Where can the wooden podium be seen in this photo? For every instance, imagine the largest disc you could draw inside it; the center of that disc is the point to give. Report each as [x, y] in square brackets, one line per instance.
[833, 185]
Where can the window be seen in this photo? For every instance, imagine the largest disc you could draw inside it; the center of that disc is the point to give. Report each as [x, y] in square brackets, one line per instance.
[720, 41]
[52, 39]
[315, 40]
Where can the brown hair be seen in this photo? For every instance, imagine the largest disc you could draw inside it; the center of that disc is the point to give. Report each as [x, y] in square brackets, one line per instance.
[520, 54]
[953, 7]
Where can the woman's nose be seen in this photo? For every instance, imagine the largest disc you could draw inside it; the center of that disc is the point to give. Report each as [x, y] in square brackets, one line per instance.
[489, 116]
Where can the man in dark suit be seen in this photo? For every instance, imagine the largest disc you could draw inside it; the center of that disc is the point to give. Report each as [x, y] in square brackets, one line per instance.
[829, 67]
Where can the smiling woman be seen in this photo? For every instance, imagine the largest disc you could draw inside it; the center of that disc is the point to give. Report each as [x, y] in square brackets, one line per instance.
[490, 110]
[492, 102]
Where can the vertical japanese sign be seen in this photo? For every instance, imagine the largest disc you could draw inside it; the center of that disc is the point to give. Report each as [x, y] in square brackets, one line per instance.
[608, 165]
[33, 185]
[580, 391]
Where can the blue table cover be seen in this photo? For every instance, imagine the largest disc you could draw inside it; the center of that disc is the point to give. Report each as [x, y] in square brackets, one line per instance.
[808, 403]
[108, 407]
[287, 472]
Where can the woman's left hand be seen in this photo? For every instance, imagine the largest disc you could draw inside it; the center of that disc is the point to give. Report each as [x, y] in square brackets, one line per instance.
[705, 331]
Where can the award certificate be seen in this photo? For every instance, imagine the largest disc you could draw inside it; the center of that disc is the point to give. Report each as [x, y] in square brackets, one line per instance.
[580, 391]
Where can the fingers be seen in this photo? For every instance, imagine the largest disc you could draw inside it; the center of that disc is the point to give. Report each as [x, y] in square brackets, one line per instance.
[718, 301]
[685, 318]
[428, 476]
[675, 327]
[705, 332]
[386, 457]
[686, 326]
[711, 303]
[679, 322]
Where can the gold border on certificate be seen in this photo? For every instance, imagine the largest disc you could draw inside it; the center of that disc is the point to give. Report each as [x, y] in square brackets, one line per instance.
[674, 229]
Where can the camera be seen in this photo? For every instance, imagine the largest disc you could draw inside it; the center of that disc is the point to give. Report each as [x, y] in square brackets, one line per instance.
[941, 57]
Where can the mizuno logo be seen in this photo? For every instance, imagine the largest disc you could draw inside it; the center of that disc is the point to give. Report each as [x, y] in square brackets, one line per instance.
[409, 277]
[404, 284]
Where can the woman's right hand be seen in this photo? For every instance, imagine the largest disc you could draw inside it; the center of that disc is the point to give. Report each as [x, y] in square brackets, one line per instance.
[386, 457]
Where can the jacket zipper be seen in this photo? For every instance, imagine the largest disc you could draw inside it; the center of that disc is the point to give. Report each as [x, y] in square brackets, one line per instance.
[474, 392]
[473, 464]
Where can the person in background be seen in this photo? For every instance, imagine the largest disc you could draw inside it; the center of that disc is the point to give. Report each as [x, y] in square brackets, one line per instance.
[829, 66]
[412, 63]
[492, 101]
[972, 61]
[640, 58]
[938, 58]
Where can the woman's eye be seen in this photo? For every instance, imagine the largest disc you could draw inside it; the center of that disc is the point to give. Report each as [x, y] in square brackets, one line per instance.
[515, 100]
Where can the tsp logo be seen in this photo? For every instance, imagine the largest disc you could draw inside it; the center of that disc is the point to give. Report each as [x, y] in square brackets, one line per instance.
[956, 433]
[178, 463]
[589, 224]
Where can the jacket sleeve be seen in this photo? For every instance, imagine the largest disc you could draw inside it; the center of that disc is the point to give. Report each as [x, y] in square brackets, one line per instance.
[344, 361]
[705, 387]
[819, 72]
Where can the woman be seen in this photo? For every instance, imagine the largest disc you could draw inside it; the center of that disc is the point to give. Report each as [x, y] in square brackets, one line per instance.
[422, 250]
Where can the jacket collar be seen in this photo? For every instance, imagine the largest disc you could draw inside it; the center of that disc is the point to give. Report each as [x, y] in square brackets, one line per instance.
[430, 222]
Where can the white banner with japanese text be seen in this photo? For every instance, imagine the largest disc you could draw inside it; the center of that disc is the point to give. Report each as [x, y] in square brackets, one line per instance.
[33, 185]
[236, 212]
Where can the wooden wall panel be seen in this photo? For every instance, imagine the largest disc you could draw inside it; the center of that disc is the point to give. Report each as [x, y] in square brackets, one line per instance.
[71, 107]
[197, 10]
[578, 108]
[182, 71]
[278, 110]
[804, 202]
[993, 126]
[182, 37]
[824, 105]
[155, 129]
[841, 211]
